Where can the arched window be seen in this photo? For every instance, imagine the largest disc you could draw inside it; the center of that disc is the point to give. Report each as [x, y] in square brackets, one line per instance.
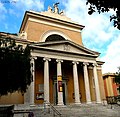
[54, 37]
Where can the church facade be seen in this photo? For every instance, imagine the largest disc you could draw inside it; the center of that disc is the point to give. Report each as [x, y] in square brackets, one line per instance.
[64, 71]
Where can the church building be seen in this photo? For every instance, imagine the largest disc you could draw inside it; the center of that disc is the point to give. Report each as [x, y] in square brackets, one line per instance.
[111, 87]
[64, 70]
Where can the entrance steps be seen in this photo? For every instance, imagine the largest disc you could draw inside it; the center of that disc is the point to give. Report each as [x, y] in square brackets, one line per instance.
[82, 110]
[42, 111]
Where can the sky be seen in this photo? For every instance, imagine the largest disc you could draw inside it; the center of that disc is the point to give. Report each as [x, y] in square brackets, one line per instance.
[99, 33]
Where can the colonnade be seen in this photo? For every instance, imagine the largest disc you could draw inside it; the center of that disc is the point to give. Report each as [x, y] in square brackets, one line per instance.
[59, 80]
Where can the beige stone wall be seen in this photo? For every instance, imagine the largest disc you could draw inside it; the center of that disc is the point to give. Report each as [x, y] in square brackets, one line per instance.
[14, 98]
[109, 86]
[70, 90]
[36, 30]
[38, 80]
[92, 85]
[52, 72]
[81, 85]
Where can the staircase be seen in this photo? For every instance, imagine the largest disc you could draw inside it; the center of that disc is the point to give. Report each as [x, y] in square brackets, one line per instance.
[82, 110]
[50, 111]
[45, 110]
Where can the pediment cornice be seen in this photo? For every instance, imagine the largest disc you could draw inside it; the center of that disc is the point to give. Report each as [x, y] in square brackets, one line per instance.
[66, 46]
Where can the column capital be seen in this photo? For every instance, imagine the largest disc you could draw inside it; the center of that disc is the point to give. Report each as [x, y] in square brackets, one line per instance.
[33, 57]
[59, 60]
[46, 59]
[90, 67]
[75, 62]
[95, 64]
[85, 63]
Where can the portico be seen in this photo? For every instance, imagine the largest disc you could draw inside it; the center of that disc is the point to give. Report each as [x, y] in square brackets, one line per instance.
[60, 60]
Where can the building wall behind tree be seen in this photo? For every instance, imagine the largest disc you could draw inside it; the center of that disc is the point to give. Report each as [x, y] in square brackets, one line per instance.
[13, 98]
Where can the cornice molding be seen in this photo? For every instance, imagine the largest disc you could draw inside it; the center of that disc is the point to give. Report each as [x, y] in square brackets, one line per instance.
[36, 16]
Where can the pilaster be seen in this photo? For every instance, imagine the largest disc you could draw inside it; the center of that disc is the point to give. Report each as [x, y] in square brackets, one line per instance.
[97, 90]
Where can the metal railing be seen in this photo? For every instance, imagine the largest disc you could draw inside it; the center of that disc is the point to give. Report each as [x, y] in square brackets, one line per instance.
[48, 107]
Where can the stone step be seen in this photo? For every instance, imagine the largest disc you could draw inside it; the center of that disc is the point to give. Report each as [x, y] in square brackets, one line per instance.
[83, 110]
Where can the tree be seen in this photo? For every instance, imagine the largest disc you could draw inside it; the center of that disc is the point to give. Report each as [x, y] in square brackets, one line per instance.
[117, 77]
[15, 73]
[104, 6]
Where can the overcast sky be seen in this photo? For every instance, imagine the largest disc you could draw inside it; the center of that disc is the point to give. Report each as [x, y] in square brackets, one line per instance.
[98, 34]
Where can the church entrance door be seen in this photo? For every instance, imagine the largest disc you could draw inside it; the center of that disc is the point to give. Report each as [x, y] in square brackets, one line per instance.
[56, 94]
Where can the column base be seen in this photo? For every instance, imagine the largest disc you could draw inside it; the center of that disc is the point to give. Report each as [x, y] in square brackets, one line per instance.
[32, 105]
[99, 102]
[89, 102]
[104, 102]
[77, 103]
[60, 104]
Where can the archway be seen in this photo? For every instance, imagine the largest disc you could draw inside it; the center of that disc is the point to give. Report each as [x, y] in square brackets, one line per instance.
[54, 37]
[53, 32]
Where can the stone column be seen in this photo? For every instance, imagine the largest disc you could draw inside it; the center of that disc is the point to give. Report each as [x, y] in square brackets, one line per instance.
[29, 95]
[46, 79]
[32, 86]
[97, 90]
[59, 82]
[86, 81]
[76, 84]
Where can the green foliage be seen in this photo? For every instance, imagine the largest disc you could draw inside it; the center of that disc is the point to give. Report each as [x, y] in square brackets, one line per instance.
[117, 77]
[105, 6]
[15, 73]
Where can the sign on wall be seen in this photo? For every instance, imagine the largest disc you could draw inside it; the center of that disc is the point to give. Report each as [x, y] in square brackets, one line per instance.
[40, 93]
[41, 87]
[59, 78]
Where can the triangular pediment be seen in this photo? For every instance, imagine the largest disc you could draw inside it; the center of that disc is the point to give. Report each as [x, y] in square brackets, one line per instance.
[66, 46]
